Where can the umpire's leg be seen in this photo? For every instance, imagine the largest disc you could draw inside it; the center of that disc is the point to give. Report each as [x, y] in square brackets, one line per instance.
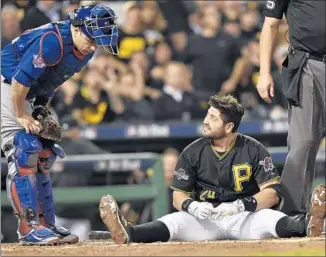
[306, 127]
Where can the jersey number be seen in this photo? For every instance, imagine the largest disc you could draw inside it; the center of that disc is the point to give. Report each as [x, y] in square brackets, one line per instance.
[207, 194]
[241, 173]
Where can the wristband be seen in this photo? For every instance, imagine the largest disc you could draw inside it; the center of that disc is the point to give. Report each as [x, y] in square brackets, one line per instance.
[250, 203]
[185, 204]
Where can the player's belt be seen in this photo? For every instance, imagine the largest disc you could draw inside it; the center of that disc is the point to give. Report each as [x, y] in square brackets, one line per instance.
[319, 58]
[313, 56]
[206, 186]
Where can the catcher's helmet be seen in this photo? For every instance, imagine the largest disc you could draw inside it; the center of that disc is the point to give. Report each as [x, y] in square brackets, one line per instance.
[98, 22]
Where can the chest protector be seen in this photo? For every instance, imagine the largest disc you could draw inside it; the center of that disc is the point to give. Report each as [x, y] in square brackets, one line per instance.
[61, 62]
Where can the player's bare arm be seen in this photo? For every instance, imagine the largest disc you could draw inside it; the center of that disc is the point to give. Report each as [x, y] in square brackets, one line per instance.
[268, 40]
[267, 197]
[19, 93]
[178, 198]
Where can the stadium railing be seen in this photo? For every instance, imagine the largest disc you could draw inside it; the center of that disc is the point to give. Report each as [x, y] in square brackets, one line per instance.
[123, 162]
[156, 191]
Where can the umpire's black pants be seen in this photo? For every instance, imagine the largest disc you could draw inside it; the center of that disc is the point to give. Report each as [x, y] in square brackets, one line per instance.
[306, 129]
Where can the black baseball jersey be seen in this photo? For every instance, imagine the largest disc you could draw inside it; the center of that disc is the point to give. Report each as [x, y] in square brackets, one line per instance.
[210, 176]
[306, 20]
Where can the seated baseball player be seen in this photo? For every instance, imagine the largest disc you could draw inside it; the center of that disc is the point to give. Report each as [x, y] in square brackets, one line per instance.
[33, 66]
[225, 187]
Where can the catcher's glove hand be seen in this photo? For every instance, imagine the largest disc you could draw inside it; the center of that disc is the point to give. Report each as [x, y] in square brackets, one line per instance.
[51, 127]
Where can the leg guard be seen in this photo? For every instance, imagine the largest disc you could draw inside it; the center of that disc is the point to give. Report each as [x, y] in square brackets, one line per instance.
[22, 190]
[23, 196]
[45, 199]
[44, 184]
[46, 204]
[21, 185]
[45, 194]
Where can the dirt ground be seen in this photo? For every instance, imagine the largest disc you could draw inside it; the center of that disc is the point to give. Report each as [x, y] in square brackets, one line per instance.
[217, 248]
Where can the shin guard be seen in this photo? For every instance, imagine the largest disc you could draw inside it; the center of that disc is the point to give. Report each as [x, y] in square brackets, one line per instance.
[23, 196]
[44, 187]
[45, 199]
[21, 184]
[45, 194]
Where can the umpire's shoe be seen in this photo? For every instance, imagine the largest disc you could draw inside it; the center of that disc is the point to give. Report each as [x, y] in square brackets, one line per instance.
[317, 212]
[114, 221]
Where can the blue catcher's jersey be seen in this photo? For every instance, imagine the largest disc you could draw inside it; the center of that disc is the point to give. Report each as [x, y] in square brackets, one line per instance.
[42, 59]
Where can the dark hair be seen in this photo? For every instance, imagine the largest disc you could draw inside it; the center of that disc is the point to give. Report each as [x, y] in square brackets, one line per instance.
[231, 110]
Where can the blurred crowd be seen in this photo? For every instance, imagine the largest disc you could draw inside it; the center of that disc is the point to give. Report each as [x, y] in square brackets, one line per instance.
[173, 56]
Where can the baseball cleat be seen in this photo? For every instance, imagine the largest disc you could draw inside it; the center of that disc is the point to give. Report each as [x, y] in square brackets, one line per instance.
[114, 220]
[39, 236]
[64, 235]
[317, 211]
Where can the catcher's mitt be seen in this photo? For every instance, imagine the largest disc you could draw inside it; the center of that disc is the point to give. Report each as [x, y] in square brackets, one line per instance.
[51, 128]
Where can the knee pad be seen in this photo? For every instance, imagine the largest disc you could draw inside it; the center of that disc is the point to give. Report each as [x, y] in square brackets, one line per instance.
[58, 150]
[27, 149]
[48, 156]
[46, 160]
[45, 199]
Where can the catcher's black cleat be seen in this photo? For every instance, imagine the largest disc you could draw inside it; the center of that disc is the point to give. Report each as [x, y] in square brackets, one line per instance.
[114, 220]
[317, 212]
[64, 235]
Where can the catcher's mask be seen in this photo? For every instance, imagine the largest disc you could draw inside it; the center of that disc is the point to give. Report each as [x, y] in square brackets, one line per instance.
[99, 23]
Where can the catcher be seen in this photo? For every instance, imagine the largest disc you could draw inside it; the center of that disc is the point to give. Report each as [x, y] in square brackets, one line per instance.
[32, 67]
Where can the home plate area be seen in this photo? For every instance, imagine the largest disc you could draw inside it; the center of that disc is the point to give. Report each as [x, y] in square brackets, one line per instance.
[274, 247]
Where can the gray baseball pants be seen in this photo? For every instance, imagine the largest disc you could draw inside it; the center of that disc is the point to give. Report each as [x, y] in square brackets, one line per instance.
[306, 130]
[9, 124]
